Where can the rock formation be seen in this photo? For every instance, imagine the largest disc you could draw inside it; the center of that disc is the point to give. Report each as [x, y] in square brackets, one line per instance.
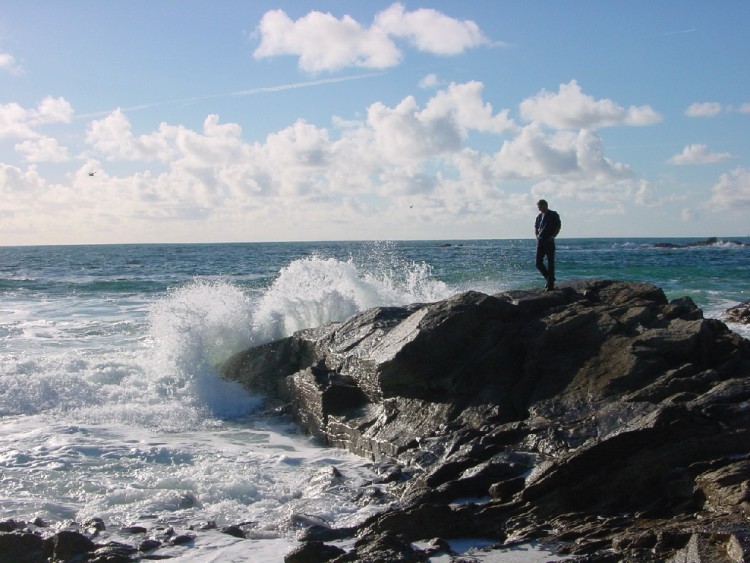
[711, 241]
[739, 313]
[599, 418]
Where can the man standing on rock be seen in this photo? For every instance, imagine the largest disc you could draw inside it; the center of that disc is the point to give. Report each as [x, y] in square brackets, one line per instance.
[546, 227]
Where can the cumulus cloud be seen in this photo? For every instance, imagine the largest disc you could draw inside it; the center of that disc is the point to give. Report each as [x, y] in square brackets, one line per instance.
[464, 106]
[21, 123]
[44, 149]
[698, 154]
[533, 154]
[430, 31]
[429, 81]
[113, 138]
[570, 108]
[404, 149]
[396, 150]
[323, 42]
[406, 132]
[326, 43]
[705, 109]
[732, 191]
[24, 194]
[8, 64]
[407, 161]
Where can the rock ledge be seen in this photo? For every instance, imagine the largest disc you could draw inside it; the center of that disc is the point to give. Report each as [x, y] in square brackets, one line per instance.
[599, 417]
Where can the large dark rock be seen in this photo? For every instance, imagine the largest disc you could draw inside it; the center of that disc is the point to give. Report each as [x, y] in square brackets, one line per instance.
[21, 547]
[599, 415]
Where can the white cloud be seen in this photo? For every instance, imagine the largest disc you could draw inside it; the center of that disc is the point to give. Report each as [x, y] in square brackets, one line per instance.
[430, 31]
[744, 108]
[8, 64]
[113, 138]
[644, 195]
[406, 133]
[325, 43]
[464, 105]
[535, 155]
[18, 122]
[404, 162]
[19, 185]
[429, 81]
[732, 191]
[44, 149]
[401, 150]
[403, 134]
[698, 154]
[570, 108]
[706, 109]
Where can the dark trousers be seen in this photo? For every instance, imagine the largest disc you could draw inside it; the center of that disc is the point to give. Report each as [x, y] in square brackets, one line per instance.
[546, 248]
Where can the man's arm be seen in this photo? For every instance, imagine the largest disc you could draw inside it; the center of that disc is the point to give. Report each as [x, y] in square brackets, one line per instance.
[555, 224]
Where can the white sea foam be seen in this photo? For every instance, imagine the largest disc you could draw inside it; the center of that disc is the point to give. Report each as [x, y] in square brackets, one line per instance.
[157, 368]
[313, 291]
[127, 475]
[116, 410]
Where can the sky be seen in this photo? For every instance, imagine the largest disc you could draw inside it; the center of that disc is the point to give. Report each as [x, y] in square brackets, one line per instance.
[149, 121]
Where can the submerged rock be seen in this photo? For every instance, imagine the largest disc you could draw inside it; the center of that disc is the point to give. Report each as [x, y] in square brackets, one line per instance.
[598, 416]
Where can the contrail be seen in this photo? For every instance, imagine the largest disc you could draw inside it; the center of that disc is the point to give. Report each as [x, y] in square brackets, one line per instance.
[259, 90]
[308, 84]
[668, 33]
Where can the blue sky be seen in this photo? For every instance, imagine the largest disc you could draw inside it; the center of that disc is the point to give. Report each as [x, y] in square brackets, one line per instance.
[187, 121]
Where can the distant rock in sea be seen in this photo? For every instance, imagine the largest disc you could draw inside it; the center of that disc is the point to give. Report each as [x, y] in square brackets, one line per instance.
[599, 418]
[711, 241]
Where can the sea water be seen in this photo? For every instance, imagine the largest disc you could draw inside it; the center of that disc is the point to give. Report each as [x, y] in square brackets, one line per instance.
[111, 405]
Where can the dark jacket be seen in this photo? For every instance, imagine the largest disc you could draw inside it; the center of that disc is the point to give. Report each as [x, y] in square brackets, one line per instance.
[547, 225]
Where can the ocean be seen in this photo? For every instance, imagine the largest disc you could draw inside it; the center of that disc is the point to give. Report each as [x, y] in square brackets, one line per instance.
[110, 402]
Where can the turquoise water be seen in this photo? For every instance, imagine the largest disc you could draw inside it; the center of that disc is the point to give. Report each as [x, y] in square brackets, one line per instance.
[110, 403]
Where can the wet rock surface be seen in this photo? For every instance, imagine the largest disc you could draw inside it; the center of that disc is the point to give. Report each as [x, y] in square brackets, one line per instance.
[739, 313]
[598, 418]
[69, 541]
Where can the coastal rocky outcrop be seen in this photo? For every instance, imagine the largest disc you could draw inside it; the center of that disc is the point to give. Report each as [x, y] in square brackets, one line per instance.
[599, 419]
[739, 313]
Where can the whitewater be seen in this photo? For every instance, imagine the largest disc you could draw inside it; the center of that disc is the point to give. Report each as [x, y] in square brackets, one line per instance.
[111, 405]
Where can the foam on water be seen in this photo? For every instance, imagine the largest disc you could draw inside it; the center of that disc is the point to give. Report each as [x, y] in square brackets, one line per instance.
[121, 414]
[158, 369]
[239, 473]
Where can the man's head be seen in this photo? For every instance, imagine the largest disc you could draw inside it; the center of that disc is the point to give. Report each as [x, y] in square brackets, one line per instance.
[542, 206]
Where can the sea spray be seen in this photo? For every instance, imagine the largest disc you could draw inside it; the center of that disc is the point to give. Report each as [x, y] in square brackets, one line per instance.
[313, 291]
[194, 330]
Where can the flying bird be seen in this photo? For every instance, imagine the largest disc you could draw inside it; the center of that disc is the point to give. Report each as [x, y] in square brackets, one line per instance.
[92, 173]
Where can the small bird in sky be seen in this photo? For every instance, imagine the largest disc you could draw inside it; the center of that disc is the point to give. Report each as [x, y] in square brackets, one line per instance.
[92, 173]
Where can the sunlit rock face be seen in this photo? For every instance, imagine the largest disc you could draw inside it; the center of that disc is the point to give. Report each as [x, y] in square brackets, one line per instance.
[599, 415]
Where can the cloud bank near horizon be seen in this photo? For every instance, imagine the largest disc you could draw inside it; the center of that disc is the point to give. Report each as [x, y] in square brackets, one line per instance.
[394, 158]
